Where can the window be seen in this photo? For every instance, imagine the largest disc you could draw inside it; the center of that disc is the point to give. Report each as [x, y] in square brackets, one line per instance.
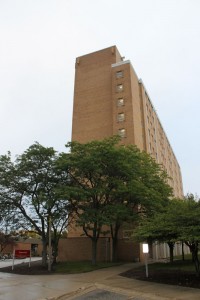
[120, 88]
[120, 117]
[122, 132]
[119, 74]
[120, 102]
[150, 146]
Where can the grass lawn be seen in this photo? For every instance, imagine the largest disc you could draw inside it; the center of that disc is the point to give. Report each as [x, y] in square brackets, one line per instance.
[179, 272]
[186, 265]
[61, 268]
[80, 266]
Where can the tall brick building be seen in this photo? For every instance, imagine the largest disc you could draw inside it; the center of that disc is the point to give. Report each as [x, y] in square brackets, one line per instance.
[109, 99]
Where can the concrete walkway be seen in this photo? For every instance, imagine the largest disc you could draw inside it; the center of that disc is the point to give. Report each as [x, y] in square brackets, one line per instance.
[109, 280]
[62, 287]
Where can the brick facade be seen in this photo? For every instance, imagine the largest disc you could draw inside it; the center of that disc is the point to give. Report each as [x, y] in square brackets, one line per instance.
[109, 99]
[80, 249]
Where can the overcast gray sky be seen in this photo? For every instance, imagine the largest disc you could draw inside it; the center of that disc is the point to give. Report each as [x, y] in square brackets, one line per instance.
[40, 39]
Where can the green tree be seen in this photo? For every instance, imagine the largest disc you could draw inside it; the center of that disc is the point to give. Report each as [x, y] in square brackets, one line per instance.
[179, 221]
[145, 191]
[94, 179]
[111, 184]
[187, 222]
[31, 185]
[5, 240]
[160, 227]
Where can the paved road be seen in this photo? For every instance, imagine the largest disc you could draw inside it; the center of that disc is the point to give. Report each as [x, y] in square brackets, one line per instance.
[101, 294]
[105, 295]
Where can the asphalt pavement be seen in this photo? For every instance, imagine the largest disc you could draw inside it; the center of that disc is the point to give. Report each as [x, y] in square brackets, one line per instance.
[101, 294]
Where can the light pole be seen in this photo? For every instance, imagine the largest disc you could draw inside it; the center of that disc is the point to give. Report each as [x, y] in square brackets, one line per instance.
[50, 250]
[49, 240]
[145, 248]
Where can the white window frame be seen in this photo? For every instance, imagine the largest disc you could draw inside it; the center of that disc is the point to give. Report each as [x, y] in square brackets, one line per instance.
[119, 74]
[121, 117]
[122, 132]
[120, 102]
[120, 88]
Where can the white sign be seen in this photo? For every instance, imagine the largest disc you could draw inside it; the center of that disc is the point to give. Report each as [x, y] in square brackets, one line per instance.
[145, 248]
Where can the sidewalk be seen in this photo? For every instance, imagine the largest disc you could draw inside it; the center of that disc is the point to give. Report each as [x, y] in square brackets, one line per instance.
[109, 280]
[70, 286]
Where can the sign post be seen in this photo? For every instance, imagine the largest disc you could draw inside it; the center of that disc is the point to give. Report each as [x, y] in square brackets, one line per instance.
[145, 248]
[21, 254]
[13, 259]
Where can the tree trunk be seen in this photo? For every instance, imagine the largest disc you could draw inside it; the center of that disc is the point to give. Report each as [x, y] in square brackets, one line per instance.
[94, 251]
[196, 261]
[194, 250]
[55, 251]
[94, 238]
[44, 253]
[171, 251]
[114, 234]
[182, 248]
[114, 249]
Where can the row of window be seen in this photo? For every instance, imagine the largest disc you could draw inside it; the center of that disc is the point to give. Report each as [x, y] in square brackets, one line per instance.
[119, 74]
[120, 117]
[119, 88]
[120, 102]
[122, 132]
[166, 154]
